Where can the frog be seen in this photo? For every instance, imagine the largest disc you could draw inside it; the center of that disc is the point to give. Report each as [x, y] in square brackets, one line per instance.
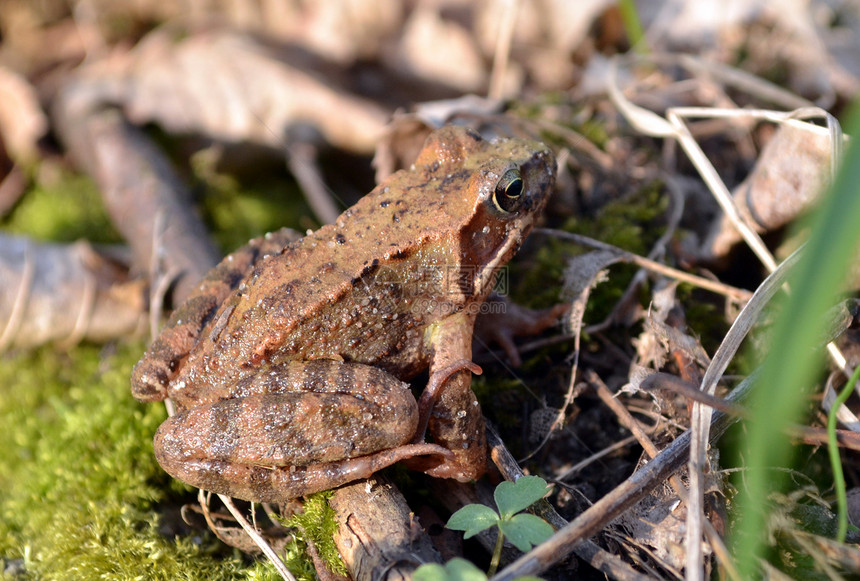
[289, 366]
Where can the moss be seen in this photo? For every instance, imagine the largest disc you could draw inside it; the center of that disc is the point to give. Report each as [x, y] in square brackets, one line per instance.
[532, 281]
[556, 105]
[315, 523]
[631, 223]
[81, 485]
[238, 211]
[63, 207]
[501, 398]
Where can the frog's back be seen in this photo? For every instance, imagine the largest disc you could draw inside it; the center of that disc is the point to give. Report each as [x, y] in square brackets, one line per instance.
[351, 290]
[356, 289]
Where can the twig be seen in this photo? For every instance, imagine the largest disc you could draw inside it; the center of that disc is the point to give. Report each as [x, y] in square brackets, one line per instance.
[302, 162]
[588, 551]
[629, 422]
[628, 493]
[267, 549]
[622, 443]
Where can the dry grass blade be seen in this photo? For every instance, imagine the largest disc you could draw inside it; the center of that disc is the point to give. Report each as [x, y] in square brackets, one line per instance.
[267, 549]
[674, 126]
[741, 80]
[669, 460]
[677, 117]
[734, 293]
[701, 414]
[627, 420]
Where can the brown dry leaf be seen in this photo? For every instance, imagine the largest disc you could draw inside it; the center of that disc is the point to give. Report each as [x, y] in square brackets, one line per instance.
[456, 61]
[22, 121]
[233, 88]
[675, 340]
[583, 273]
[651, 350]
[658, 524]
[341, 30]
[64, 292]
[788, 178]
[546, 34]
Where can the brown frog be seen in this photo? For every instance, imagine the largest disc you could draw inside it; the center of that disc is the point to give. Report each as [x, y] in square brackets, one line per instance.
[287, 364]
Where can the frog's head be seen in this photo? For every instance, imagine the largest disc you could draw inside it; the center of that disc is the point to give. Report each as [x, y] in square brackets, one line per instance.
[496, 189]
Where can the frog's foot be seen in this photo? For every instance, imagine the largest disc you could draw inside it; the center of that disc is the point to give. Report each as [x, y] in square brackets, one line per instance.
[430, 395]
[453, 416]
[500, 325]
[280, 483]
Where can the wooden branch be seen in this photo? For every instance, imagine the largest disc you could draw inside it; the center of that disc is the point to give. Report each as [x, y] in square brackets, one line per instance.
[379, 537]
[624, 496]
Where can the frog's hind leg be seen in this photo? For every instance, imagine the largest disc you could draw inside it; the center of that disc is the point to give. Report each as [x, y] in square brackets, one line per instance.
[292, 429]
[278, 484]
[181, 332]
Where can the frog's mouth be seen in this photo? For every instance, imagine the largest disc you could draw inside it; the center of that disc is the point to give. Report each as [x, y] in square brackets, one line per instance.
[485, 278]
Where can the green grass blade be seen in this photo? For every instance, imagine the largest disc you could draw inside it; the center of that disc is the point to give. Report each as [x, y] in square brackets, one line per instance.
[835, 460]
[793, 364]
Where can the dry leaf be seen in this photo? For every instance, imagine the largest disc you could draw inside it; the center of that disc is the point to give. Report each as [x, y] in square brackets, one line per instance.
[442, 51]
[787, 180]
[233, 88]
[22, 121]
[64, 292]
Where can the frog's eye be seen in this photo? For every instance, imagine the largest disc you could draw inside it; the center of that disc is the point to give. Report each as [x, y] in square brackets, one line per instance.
[509, 191]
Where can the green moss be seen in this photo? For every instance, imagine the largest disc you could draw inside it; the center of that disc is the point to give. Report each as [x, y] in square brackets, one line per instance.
[631, 223]
[706, 315]
[317, 524]
[81, 485]
[556, 105]
[501, 398]
[65, 207]
[238, 212]
[533, 281]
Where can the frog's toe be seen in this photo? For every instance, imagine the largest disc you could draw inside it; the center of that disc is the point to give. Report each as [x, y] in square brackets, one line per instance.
[148, 381]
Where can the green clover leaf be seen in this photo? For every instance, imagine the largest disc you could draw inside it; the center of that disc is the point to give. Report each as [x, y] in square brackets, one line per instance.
[526, 530]
[456, 569]
[512, 497]
[473, 518]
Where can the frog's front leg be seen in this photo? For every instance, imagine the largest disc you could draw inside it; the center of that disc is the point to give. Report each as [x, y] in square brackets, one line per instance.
[293, 429]
[449, 406]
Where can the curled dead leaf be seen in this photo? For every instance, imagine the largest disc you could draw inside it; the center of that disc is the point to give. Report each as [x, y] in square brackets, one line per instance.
[65, 292]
